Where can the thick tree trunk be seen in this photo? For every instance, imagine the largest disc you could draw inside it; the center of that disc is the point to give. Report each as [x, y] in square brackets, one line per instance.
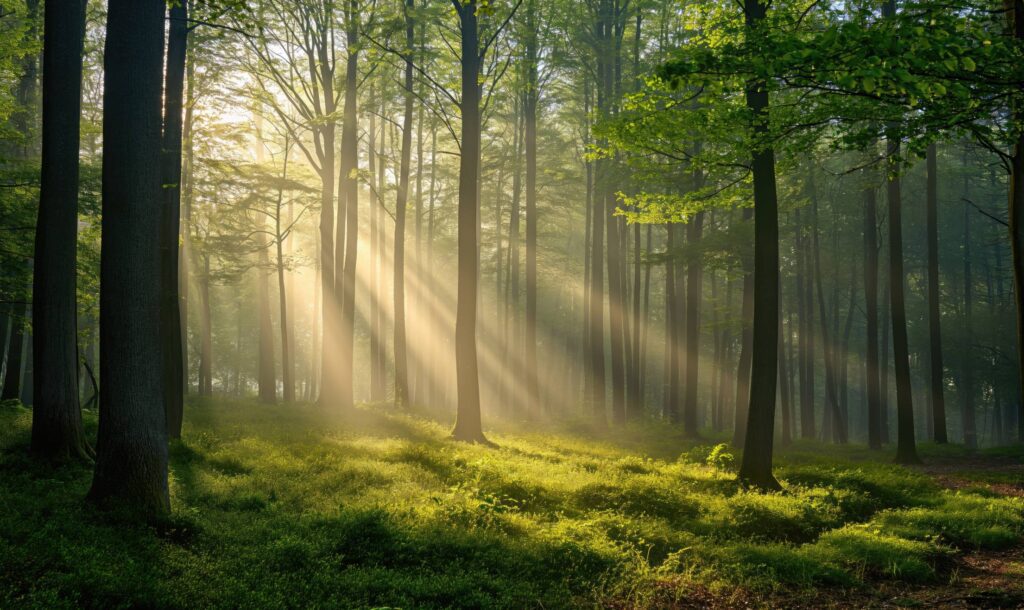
[468, 424]
[131, 464]
[756, 465]
[56, 416]
[938, 401]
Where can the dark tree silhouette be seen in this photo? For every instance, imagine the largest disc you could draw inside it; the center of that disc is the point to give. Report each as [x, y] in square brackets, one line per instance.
[56, 416]
[131, 461]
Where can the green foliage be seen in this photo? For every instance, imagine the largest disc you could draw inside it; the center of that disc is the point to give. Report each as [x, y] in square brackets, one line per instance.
[271, 507]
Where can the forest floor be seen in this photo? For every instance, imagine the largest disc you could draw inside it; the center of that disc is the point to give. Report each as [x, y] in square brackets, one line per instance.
[288, 507]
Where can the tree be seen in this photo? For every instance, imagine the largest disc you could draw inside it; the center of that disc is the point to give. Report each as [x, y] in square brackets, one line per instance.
[56, 416]
[171, 145]
[468, 424]
[756, 466]
[934, 330]
[401, 359]
[131, 451]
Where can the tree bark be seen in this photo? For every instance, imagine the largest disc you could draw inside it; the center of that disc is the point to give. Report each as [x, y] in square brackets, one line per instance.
[170, 310]
[934, 331]
[874, 402]
[967, 381]
[694, 282]
[906, 449]
[468, 423]
[756, 466]
[530, 100]
[287, 353]
[346, 244]
[746, 345]
[131, 464]
[56, 416]
[401, 360]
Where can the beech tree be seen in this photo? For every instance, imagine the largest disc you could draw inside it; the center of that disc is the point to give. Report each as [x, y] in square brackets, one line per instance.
[131, 450]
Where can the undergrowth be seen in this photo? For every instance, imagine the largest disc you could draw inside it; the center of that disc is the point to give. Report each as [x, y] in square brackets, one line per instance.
[288, 507]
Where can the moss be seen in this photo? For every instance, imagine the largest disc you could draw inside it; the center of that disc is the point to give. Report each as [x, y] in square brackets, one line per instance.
[281, 508]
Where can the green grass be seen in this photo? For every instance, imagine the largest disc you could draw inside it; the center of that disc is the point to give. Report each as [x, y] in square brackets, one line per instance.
[288, 507]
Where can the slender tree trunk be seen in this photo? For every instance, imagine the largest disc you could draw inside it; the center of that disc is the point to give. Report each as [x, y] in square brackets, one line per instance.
[348, 203]
[938, 401]
[804, 314]
[1015, 15]
[832, 416]
[170, 312]
[883, 374]
[746, 345]
[468, 424]
[967, 380]
[15, 354]
[287, 368]
[874, 401]
[184, 250]
[530, 100]
[401, 359]
[205, 332]
[694, 282]
[56, 416]
[756, 465]
[672, 325]
[131, 461]
[906, 449]
[266, 375]
[784, 388]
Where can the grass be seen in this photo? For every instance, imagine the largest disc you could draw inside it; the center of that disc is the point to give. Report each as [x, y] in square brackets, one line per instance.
[288, 507]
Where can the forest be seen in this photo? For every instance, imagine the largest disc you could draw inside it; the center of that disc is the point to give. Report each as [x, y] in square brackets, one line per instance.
[511, 304]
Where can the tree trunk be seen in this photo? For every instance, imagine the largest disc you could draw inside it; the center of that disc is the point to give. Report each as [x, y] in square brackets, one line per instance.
[205, 332]
[906, 449]
[287, 368]
[530, 99]
[401, 360]
[56, 416]
[756, 466]
[15, 354]
[346, 244]
[694, 281]
[131, 464]
[266, 375]
[170, 312]
[468, 424]
[967, 380]
[746, 345]
[874, 402]
[934, 332]
[672, 326]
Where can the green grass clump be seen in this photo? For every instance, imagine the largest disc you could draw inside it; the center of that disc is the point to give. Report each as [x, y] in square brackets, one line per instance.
[291, 507]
